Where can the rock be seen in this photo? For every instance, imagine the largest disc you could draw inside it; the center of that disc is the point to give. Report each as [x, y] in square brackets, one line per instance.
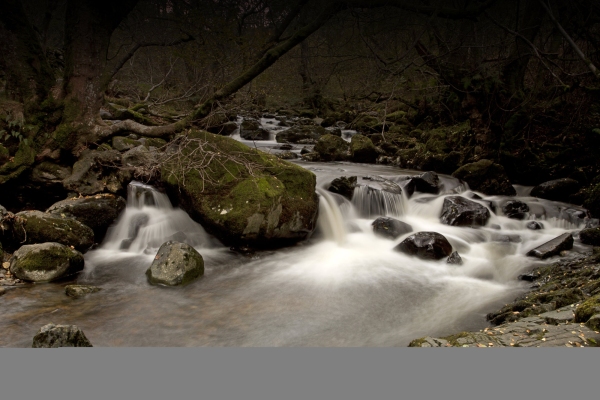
[259, 134]
[285, 146]
[45, 262]
[287, 155]
[534, 225]
[312, 156]
[390, 228]
[487, 177]
[515, 209]
[175, 264]
[592, 199]
[250, 125]
[426, 245]
[275, 205]
[98, 212]
[97, 172]
[362, 149]
[454, 259]
[139, 156]
[30, 227]
[300, 133]
[77, 291]
[123, 143]
[506, 238]
[527, 277]
[54, 336]
[332, 148]
[429, 182]
[589, 223]
[557, 190]
[305, 150]
[553, 247]
[344, 186]
[458, 211]
[587, 309]
[590, 236]
[225, 129]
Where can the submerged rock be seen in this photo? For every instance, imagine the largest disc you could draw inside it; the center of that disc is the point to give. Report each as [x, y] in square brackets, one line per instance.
[458, 211]
[553, 247]
[426, 245]
[77, 291]
[486, 177]
[429, 182]
[390, 228]
[515, 209]
[344, 186]
[45, 262]
[54, 336]
[534, 225]
[454, 258]
[557, 190]
[175, 264]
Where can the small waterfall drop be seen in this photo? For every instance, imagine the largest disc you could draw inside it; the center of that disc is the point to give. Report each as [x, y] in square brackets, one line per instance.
[331, 221]
[372, 202]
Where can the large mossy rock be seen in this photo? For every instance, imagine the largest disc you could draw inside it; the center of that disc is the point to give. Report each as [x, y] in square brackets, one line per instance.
[558, 189]
[246, 197]
[30, 227]
[301, 133]
[45, 262]
[54, 336]
[332, 148]
[458, 211]
[175, 264]
[362, 150]
[486, 177]
[426, 245]
[590, 236]
[97, 172]
[98, 212]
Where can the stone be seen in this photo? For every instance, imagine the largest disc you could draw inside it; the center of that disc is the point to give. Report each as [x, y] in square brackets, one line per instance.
[343, 186]
[390, 228]
[78, 291]
[307, 134]
[459, 211]
[96, 172]
[139, 156]
[429, 182]
[590, 236]
[534, 225]
[225, 129]
[258, 134]
[557, 189]
[454, 259]
[426, 245]
[54, 336]
[486, 177]
[45, 262]
[553, 247]
[515, 209]
[287, 155]
[362, 149]
[332, 148]
[175, 264]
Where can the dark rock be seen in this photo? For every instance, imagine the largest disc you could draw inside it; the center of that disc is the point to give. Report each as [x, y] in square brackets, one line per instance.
[534, 225]
[97, 172]
[54, 336]
[175, 264]
[527, 277]
[557, 190]
[553, 247]
[515, 209]
[250, 125]
[590, 236]
[390, 228]
[77, 291]
[305, 150]
[312, 156]
[458, 211]
[454, 258]
[344, 186]
[362, 149]
[45, 262]
[589, 223]
[429, 182]
[332, 148]
[486, 177]
[225, 129]
[285, 147]
[258, 134]
[426, 245]
[97, 212]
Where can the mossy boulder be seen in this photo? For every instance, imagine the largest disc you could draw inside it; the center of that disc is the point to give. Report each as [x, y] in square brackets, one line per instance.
[54, 336]
[45, 262]
[246, 197]
[557, 189]
[332, 148]
[486, 177]
[590, 236]
[362, 149]
[175, 264]
[22, 160]
[587, 309]
[78, 291]
[301, 133]
[97, 172]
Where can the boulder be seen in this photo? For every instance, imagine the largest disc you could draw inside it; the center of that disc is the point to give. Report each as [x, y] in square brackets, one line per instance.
[77, 291]
[332, 148]
[54, 336]
[557, 190]
[97, 172]
[45, 262]
[175, 264]
[250, 125]
[459, 211]
[515, 209]
[454, 259]
[590, 236]
[429, 182]
[487, 177]
[390, 228]
[426, 245]
[287, 155]
[534, 225]
[301, 133]
[258, 134]
[553, 247]
[272, 205]
[343, 186]
[362, 149]
[98, 212]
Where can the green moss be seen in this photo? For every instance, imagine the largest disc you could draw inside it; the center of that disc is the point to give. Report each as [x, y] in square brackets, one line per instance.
[362, 149]
[396, 116]
[332, 148]
[155, 142]
[587, 309]
[23, 159]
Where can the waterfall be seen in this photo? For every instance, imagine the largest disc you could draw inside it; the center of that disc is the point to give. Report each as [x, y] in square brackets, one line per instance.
[371, 202]
[331, 220]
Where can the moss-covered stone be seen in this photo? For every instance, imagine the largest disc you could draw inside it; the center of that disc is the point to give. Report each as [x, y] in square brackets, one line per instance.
[175, 264]
[587, 309]
[158, 142]
[590, 236]
[247, 197]
[362, 149]
[78, 291]
[54, 336]
[45, 262]
[332, 148]
[23, 159]
[487, 177]
[301, 133]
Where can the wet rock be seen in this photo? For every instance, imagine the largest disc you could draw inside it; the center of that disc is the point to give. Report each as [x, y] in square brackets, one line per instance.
[77, 291]
[344, 186]
[313, 156]
[332, 148]
[589, 223]
[557, 190]
[429, 182]
[2, 291]
[534, 225]
[301, 133]
[305, 150]
[250, 125]
[54, 336]
[454, 258]
[458, 211]
[98, 212]
[135, 224]
[590, 236]
[390, 228]
[515, 209]
[486, 177]
[527, 277]
[97, 172]
[426, 245]
[362, 149]
[175, 264]
[285, 146]
[287, 155]
[45, 262]
[553, 247]
[259, 134]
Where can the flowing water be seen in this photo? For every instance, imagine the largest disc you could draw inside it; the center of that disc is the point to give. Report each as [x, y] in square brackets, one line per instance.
[342, 287]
